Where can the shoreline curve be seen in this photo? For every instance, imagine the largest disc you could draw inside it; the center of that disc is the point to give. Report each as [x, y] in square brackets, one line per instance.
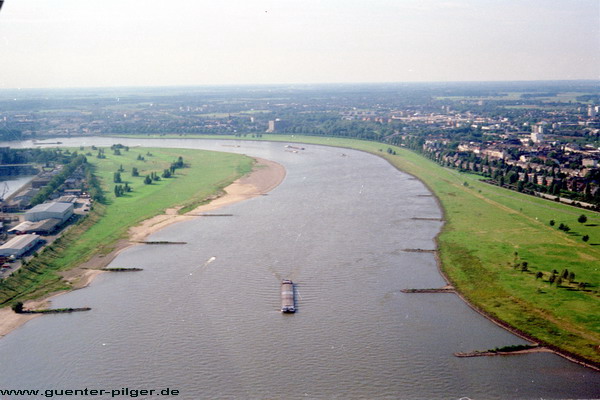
[574, 358]
[265, 176]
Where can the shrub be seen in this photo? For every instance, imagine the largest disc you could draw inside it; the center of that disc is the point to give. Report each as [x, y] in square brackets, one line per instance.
[18, 307]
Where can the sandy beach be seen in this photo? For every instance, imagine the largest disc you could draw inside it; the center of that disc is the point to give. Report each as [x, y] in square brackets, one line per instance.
[265, 176]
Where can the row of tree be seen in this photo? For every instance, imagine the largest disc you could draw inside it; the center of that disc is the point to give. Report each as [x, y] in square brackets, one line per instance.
[58, 179]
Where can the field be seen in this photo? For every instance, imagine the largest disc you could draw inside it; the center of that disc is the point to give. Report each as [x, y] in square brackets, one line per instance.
[206, 174]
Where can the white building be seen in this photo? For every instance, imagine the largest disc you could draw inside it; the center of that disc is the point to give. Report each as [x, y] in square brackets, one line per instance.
[537, 132]
[19, 245]
[62, 211]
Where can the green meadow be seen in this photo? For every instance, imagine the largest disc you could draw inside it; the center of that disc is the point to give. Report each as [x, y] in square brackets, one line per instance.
[206, 174]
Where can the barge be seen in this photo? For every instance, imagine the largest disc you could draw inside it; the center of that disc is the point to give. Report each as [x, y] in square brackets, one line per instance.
[287, 296]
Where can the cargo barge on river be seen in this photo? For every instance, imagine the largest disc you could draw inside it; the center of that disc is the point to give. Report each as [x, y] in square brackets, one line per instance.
[287, 297]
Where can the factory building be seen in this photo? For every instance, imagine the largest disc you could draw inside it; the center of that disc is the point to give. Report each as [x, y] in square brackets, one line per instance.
[61, 211]
[19, 245]
[43, 227]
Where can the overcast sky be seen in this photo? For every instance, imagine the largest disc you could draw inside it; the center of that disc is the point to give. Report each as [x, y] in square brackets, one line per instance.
[90, 43]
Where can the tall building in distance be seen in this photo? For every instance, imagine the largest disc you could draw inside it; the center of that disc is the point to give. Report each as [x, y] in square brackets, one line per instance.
[276, 125]
[537, 132]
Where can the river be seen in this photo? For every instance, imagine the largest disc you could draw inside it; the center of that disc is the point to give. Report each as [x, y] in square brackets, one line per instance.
[203, 318]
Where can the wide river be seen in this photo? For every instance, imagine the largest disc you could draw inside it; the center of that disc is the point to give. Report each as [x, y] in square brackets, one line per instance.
[203, 319]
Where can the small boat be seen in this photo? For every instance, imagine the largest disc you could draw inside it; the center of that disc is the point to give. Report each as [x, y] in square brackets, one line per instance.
[287, 296]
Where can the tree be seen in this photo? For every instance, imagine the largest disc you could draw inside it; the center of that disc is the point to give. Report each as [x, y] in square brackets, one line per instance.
[564, 227]
[585, 238]
[582, 219]
[179, 163]
[559, 281]
[539, 275]
[147, 180]
[134, 172]
[117, 177]
[555, 189]
[571, 276]
[18, 307]
[524, 266]
[154, 176]
[166, 173]
[552, 222]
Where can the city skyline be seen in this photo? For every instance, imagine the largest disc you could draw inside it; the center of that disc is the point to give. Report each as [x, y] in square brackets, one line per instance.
[79, 44]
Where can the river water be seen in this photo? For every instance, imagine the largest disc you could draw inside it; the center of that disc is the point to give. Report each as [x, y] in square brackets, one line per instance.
[203, 318]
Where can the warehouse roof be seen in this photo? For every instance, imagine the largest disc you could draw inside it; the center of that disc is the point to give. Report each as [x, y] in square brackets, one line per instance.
[51, 207]
[22, 227]
[45, 225]
[19, 242]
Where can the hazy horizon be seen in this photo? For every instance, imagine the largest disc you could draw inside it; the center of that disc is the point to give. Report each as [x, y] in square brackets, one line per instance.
[74, 44]
[306, 84]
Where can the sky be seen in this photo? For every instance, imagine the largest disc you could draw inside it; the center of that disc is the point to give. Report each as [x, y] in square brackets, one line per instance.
[108, 43]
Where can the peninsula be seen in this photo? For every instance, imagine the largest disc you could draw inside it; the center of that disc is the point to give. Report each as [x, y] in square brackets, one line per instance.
[259, 176]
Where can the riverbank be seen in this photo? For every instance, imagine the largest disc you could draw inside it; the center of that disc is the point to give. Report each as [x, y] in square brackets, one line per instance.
[489, 232]
[265, 176]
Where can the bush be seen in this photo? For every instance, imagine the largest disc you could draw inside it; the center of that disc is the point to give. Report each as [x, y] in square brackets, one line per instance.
[18, 307]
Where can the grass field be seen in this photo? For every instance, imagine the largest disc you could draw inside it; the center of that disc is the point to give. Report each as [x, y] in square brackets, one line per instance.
[488, 231]
[207, 174]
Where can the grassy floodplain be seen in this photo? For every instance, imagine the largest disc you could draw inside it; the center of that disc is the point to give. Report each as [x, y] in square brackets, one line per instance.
[485, 226]
[206, 175]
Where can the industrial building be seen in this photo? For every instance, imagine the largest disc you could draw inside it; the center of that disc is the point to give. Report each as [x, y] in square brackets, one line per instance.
[21, 201]
[19, 245]
[43, 227]
[61, 211]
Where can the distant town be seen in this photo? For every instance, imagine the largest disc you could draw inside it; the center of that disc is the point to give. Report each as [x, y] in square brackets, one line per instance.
[541, 138]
